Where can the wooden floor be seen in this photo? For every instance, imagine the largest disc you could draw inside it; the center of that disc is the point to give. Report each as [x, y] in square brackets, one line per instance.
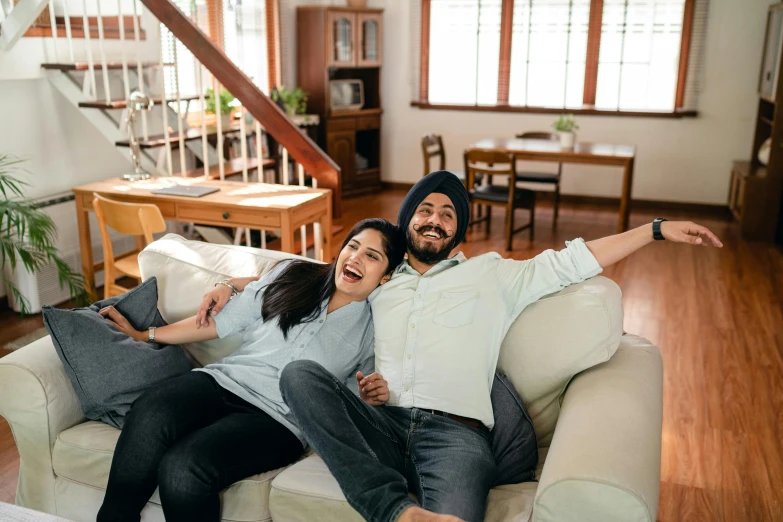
[717, 316]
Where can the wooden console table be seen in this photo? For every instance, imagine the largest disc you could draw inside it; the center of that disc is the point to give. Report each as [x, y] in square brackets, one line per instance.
[583, 153]
[239, 205]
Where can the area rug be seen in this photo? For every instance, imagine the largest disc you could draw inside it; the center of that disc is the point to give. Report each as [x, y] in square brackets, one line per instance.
[26, 339]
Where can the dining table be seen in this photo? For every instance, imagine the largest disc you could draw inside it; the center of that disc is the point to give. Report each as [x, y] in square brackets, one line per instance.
[583, 153]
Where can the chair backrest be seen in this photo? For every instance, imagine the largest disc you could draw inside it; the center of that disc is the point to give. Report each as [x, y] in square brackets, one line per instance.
[539, 135]
[489, 163]
[133, 219]
[432, 146]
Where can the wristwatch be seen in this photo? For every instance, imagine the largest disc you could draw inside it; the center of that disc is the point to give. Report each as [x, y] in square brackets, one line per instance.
[657, 229]
[152, 334]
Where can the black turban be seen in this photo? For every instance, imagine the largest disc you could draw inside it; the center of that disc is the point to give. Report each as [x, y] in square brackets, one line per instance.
[441, 182]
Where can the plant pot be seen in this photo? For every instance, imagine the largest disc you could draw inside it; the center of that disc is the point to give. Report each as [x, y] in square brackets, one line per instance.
[567, 139]
[357, 4]
[226, 119]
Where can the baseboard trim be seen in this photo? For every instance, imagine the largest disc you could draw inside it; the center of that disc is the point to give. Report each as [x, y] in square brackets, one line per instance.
[636, 204]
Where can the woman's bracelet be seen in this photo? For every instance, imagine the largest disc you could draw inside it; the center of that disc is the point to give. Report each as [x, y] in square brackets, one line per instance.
[227, 283]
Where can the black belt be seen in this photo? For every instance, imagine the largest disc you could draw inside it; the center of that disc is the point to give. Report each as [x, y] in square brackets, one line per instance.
[467, 421]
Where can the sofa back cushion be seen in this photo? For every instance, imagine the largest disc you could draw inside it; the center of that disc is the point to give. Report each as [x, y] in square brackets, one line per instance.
[554, 339]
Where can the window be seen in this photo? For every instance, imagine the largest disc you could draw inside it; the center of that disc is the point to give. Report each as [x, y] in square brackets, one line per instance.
[245, 31]
[581, 55]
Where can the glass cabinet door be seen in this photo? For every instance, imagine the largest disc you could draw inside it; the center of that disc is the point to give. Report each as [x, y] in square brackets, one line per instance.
[370, 39]
[341, 39]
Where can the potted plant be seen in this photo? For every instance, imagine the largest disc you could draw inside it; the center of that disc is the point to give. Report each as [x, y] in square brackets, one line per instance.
[565, 127]
[227, 103]
[294, 100]
[27, 237]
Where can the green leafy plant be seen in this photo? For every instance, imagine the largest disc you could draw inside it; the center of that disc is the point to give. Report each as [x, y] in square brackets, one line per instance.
[27, 235]
[294, 100]
[565, 123]
[226, 101]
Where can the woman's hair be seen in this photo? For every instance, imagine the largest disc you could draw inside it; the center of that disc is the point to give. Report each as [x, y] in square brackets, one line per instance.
[297, 294]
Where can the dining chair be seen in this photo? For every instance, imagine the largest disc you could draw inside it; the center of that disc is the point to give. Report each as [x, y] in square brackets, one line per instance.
[551, 178]
[133, 219]
[510, 197]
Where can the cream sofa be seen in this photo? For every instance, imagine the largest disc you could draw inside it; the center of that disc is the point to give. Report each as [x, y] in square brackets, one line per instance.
[599, 432]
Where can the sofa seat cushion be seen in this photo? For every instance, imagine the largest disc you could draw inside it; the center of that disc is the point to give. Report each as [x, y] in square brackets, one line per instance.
[83, 454]
[307, 491]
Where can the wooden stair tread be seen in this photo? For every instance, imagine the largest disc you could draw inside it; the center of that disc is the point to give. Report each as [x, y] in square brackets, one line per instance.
[84, 66]
[232, 167]
[190, 134]
[122, 104]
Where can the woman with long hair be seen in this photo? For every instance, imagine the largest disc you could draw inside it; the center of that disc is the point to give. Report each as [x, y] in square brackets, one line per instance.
[198, 433]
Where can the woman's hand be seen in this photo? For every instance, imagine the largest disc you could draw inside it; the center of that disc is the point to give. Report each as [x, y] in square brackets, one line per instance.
[215, 299]
[373, 389]
[689, 232]
[117, 319]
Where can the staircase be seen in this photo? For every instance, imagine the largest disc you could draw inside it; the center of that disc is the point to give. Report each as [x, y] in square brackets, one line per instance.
[111, 48]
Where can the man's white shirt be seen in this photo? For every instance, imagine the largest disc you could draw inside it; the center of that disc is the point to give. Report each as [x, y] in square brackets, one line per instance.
[438, 335]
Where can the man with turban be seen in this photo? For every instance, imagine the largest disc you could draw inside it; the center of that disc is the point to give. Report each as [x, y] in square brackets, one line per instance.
[439, 323]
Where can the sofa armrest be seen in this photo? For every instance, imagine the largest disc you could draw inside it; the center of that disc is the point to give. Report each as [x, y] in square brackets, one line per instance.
[37, 400]
[605, 459]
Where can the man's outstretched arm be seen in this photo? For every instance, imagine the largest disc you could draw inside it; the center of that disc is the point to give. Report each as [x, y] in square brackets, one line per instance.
[611, 249]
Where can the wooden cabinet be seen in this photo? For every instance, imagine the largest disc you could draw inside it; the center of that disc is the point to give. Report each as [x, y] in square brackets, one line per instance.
[337, 44]
[756, 188]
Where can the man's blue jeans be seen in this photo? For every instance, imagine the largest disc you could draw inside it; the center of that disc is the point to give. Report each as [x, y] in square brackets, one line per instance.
[378, 454]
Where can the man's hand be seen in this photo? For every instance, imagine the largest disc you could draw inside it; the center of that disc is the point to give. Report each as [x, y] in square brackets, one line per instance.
[689, 232]
[213, 301]
[373, 389]
[117, 319]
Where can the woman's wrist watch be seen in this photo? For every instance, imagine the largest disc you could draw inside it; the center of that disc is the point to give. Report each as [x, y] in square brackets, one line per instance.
[151, 334]
[657, 229]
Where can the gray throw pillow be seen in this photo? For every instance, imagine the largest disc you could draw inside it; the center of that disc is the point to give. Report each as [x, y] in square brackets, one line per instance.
[108, 369]
[514, 443]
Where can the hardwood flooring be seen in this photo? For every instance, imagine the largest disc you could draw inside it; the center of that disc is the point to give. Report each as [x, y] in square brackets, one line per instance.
[717, 316]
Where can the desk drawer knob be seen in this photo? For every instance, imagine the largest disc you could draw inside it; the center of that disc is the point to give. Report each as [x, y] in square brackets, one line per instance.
[226, 215]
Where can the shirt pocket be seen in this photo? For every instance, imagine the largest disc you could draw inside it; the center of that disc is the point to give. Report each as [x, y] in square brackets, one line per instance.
[455, 309]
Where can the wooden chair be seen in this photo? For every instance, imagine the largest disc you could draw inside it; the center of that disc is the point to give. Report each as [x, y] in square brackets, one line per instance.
[140, 220]
[552, 178]
[511, 197]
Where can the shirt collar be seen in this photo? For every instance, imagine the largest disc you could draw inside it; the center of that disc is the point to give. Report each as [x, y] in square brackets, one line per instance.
[440, 267]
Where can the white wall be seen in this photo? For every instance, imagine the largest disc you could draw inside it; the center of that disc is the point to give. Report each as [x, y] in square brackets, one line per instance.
[685, 160]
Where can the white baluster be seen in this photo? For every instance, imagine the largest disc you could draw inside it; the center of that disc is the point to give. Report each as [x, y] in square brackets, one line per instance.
[318, 241]
[53, 23]
[102, 49]
[243, 144]
[68, 35]
[88, 45]
[125, 74]
[260, 154]
[140, 69]
[284, 157]
[303, 229]
[219, 123]
[165, 105]
[165, 110]
[203, 103]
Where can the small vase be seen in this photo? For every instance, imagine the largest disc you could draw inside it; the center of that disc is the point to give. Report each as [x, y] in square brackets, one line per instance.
[567, 139]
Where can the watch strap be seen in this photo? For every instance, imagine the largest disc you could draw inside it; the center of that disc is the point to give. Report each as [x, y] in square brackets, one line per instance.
[152, 334]
[656, 227]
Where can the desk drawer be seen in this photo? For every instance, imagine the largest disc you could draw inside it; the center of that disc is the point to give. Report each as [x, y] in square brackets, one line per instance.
[260, 218]
[368, 122]
[341, 124]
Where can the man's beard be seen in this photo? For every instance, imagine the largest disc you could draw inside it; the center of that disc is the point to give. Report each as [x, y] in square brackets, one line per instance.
[427, 254]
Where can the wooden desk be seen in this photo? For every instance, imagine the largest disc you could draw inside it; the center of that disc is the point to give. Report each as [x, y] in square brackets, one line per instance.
[238, 205]
[582, 153]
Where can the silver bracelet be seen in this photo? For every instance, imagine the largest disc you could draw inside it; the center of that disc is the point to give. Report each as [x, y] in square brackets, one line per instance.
[227, 283]
[152, 334]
